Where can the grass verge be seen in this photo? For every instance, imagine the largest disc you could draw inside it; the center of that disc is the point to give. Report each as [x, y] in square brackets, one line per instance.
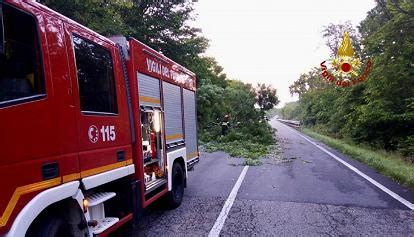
[389, 164]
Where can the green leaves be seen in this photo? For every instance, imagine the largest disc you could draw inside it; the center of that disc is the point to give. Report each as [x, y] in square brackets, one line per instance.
[163, 25]
[380, 110]
[266, 97]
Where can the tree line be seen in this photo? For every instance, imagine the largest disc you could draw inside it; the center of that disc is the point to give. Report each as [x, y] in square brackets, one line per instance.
[380, 110]
[163, 25]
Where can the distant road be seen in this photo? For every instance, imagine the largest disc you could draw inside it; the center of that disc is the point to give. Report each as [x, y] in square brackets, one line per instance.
[309, 193]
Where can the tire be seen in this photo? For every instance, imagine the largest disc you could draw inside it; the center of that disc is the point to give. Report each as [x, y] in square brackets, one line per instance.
[175, 196]
[52, 227]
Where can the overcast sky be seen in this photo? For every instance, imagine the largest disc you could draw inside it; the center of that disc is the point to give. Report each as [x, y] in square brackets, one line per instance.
[272, 41]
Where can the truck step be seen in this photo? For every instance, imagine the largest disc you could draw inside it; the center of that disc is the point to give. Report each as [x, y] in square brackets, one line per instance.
[191, 163]
[98, 198]
[151, 186]
[104, 224]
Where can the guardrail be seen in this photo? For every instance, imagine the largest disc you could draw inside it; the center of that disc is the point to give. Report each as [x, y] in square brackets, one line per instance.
[292, 123]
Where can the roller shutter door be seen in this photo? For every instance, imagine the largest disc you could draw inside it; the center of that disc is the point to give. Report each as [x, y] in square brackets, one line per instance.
[149, 91]
[172, 113]
[190, 123]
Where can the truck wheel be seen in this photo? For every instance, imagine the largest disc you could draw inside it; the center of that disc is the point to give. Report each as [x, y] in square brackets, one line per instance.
[52, 227]
[175, 196]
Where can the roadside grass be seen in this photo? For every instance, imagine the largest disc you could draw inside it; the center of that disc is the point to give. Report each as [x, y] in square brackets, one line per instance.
[387, 163]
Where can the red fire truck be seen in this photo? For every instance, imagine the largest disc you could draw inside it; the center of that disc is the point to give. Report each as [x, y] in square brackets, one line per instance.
[92, 129]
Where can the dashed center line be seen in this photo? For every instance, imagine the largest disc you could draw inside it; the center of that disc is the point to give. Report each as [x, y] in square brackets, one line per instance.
[218, 225]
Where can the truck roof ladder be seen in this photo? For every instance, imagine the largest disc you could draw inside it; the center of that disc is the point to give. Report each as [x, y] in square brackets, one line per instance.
[128, 92]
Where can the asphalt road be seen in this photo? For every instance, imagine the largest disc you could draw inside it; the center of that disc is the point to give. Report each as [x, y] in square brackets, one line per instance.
[308, 194]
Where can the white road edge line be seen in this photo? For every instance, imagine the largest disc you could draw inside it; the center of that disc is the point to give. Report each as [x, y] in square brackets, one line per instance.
[380, 186]
[218, 225]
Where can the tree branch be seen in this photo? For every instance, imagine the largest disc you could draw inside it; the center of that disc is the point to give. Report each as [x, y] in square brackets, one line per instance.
[399, 8]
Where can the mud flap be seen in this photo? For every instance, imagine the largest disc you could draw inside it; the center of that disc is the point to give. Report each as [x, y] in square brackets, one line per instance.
[136, 202]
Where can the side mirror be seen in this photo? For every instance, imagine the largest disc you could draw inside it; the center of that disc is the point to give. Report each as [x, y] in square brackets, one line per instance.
[2, 41]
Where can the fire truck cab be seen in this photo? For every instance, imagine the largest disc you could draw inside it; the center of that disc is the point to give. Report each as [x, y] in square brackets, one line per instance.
[92, 129]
